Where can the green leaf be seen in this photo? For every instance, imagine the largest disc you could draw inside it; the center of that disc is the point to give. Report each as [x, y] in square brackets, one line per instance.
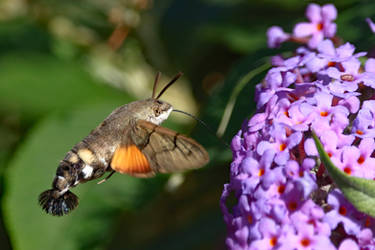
[91, 225]
[360, 192]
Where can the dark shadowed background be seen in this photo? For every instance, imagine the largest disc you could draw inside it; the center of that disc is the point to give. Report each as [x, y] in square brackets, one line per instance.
[65, 65]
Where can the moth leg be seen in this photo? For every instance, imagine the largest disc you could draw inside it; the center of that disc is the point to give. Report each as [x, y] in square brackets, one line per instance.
[106, 178]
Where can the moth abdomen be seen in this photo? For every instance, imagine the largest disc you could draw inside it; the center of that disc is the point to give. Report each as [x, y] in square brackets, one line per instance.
[80, 164]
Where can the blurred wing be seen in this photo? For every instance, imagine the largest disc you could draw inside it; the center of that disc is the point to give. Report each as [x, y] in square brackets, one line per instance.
[166, 150]
[128, 159]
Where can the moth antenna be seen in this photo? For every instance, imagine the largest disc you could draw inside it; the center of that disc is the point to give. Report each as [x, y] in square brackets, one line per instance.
[55, 203]
[155, 84]
[169, 84]
[204, 124]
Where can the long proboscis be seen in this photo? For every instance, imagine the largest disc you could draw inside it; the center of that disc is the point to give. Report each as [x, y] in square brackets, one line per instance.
[169, 84]
[204, 125]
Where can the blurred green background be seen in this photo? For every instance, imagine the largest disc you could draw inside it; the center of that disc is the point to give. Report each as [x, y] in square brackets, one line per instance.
[65, 65]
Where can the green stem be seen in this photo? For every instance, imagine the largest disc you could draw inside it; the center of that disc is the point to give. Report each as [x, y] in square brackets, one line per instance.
[233, 97]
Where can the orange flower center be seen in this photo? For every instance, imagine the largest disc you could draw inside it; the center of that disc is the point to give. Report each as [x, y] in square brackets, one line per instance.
[367, 222]
[360, 132]
[305, 242]
[273, 241]
[281, 189]
[311, 222]
[292, 205]
[282, 147]
[301, 173]
[292, 97]
[342, 210]
[348, 170]
[361, 160]
[324, 113]
[319, 26]
[261, 172]
[250, 219]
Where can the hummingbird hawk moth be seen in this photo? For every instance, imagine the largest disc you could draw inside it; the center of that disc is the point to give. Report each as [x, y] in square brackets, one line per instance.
[129, 141]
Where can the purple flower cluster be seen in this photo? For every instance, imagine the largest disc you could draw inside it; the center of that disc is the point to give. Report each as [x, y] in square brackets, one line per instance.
[284, 198]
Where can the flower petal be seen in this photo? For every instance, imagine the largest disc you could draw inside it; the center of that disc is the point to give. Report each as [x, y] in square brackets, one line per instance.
[313, 13]
[371, 24]
[370, 65]
[348, 244]
[276, 36]
[326, 47]
[329, 12]
[304, 29]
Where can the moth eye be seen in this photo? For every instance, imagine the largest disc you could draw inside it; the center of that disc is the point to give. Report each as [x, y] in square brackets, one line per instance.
[157, 112]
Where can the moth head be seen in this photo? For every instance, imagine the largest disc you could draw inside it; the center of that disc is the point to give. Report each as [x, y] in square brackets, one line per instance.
[158, 110]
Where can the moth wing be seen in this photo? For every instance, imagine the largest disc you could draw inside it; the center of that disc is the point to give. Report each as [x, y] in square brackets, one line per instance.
[128, 159]
[166, 150]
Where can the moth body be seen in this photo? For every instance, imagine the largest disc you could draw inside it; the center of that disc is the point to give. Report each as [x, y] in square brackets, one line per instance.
[129, 141]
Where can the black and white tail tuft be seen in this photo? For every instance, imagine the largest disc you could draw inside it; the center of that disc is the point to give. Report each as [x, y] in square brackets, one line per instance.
[55, 203]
